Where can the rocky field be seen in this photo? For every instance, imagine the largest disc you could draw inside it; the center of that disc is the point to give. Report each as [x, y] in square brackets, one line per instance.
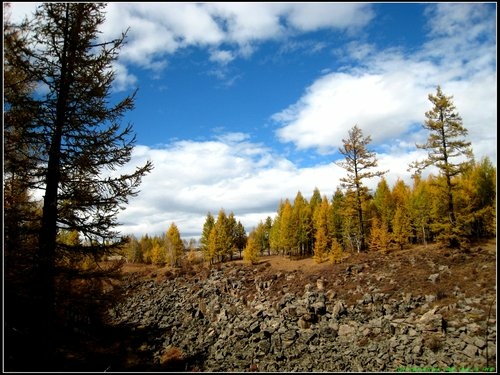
[420, 309]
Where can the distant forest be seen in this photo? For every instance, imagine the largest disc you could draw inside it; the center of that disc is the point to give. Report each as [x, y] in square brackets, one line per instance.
[394, 218]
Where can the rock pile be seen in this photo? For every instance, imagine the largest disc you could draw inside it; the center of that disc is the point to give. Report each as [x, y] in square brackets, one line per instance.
[233, 320]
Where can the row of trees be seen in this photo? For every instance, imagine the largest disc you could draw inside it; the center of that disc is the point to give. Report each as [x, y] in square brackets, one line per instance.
[220, 240]
[168, 248]
[393, 217]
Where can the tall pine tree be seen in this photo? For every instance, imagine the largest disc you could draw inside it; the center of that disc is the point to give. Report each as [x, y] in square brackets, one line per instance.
[79, 140]
[448, 151]
[358, 163]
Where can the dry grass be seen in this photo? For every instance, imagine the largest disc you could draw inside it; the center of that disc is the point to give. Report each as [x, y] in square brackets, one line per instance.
[171, 356]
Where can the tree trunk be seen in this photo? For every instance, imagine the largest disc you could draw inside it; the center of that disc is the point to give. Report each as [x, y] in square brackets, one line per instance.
[48, 230]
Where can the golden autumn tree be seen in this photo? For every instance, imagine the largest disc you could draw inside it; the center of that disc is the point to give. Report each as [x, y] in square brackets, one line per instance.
[401, 227]
[380, 238]
[302, 226]
[174, 246]
[158, 252]
[336, 253]
[384, 202]
[359, 162]
[287, 229]
[322, 241]
[212, 246]
[449, 152]
[476, 201]
[335, 216]
[252, 251]
[205, 236]
[420, 203]
[223, 239]
[401, 222]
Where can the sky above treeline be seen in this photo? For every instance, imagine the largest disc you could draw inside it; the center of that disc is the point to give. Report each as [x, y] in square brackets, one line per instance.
[241, 105]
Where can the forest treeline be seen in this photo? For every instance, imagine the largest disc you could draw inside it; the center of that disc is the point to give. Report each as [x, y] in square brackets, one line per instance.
[395, 217]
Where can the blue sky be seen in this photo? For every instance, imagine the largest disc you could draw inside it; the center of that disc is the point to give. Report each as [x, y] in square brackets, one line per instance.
[243, 104]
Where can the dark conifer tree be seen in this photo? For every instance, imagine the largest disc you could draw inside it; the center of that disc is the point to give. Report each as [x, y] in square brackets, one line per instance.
[78, 138]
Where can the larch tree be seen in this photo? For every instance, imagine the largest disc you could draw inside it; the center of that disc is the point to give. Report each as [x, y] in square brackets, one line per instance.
[401, 222]
[240, 237]
[232, 229]
[212, 246]
[261, 236]
[335, 216]
[158, 252]
[383, 201]
[315, 200]
[477, 200]
[303, 226]
[224, 240]
[380, 238]
[420, 209]
[133, 250]
[174, 245]
[252, 250]
[447, 150]
[267, 229]
[79, 139]
[287, 229]
[275, 231]
[321, 236]
[146, 244]
[205, 236]
[336, 253]
[401, 227]
[359, 162]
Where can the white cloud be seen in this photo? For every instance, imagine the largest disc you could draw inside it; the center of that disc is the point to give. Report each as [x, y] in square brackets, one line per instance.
[313, 16]
[19, 10]
[222, 56]
[380, 105]
[158, 30]
[386, 92]
[190, 179]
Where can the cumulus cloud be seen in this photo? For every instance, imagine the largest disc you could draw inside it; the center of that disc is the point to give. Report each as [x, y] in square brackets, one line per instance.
[385, 92]
[232, 173]
[313, 16]
[158, 30]
[222, 56]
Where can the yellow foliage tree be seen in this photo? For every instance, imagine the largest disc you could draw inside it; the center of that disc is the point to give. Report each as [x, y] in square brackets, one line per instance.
[252, 251]
[174, 245]
[158, 255]
[401, 228]
[380, 237]
[320, 245]
[336, 253]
